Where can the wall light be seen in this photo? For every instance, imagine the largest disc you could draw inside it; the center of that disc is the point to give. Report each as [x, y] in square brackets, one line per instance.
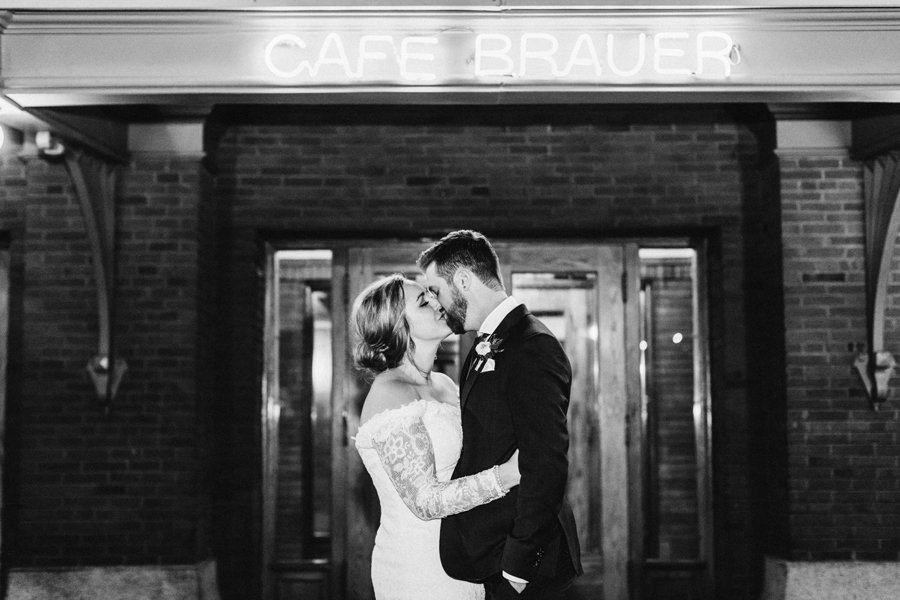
[47, 144]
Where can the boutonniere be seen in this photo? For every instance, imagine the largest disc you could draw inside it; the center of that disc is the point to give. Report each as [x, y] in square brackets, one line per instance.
[486, 351]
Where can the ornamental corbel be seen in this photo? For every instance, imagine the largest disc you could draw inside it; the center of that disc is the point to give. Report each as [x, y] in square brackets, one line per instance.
[881, 185]
[94, 182]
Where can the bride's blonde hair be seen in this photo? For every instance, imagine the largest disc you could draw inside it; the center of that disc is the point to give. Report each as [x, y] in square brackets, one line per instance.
[379, 325]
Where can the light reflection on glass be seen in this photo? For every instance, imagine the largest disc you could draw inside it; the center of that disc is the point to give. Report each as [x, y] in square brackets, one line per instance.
[303, 496]
[671, 486]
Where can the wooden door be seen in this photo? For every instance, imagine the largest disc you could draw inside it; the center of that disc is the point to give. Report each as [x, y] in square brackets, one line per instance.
[365, 265]
[596, 297]
[580, 292]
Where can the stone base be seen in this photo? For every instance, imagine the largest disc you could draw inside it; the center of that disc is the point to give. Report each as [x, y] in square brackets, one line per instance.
[790, 580]
[179, 582]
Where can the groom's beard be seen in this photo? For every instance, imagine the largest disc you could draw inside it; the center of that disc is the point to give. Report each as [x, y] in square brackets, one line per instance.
[455, 314]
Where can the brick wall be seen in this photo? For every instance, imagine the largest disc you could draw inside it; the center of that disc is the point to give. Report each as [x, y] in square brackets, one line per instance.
[163, 242]
[544, 171]
[63, 463]
[133, 487]
[88, 488]
[844, 458]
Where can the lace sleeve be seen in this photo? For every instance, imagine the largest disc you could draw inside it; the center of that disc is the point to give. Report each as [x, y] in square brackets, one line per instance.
[406, 453]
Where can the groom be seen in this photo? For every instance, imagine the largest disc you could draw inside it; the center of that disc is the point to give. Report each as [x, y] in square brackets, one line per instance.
[515, 386]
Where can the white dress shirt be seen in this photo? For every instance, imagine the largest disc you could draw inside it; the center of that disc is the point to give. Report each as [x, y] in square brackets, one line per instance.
[496, 316]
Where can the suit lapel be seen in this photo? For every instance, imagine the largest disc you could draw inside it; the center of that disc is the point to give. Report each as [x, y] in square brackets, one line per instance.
[514, 316]
[470, 377]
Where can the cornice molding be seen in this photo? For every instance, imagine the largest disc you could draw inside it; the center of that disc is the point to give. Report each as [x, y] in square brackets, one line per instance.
[91, 22]
[303, 5]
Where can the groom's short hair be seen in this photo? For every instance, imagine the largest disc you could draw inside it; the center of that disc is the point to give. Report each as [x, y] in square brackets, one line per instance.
[464, 248]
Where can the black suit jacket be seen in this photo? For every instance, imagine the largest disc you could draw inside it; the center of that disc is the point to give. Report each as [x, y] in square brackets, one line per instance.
[521, 404]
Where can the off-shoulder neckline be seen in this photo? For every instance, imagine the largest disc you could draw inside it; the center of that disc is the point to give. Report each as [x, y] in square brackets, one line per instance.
[402, 407]
[416, 404]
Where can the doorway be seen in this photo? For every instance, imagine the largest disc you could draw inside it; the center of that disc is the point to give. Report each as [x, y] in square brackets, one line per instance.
[320, 510]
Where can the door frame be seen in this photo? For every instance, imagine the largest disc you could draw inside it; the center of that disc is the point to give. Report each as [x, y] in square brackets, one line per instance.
[628, 564]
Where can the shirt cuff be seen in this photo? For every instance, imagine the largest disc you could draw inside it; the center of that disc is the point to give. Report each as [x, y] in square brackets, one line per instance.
[513, 578]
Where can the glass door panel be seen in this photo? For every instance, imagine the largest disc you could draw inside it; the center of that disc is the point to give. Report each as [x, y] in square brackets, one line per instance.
[298, 425]
[677, 519]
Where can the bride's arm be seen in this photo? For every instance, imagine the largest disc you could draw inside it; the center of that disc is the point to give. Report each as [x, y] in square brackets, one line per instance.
[407, 455]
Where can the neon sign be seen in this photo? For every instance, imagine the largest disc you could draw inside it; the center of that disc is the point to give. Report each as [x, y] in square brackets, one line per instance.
[455, 55]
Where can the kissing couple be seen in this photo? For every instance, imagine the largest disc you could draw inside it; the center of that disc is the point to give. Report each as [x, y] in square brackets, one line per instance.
[472, 482]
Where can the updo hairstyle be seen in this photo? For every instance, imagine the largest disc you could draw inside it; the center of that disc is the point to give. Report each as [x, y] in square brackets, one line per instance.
[379, 324]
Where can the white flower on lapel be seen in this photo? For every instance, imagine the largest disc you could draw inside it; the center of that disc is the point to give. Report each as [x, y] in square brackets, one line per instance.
[486, 351]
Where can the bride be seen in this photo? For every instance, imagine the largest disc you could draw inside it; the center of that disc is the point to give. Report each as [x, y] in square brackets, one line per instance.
[410, 438]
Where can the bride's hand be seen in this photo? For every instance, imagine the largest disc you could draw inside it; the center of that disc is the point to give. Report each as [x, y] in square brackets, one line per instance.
[509, 472]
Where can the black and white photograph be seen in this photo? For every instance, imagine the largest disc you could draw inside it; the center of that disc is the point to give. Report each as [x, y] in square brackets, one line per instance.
[449, 300]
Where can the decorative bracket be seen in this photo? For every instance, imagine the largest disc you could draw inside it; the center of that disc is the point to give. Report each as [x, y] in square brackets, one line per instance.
[881, 186]
[877, 375]
[94, 183]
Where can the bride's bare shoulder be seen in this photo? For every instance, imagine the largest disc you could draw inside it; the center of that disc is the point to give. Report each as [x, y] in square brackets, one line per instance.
[446, 385]
[387, 392]
[443, 380]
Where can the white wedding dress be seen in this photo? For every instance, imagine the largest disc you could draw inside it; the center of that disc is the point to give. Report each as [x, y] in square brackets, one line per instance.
[410, 453]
